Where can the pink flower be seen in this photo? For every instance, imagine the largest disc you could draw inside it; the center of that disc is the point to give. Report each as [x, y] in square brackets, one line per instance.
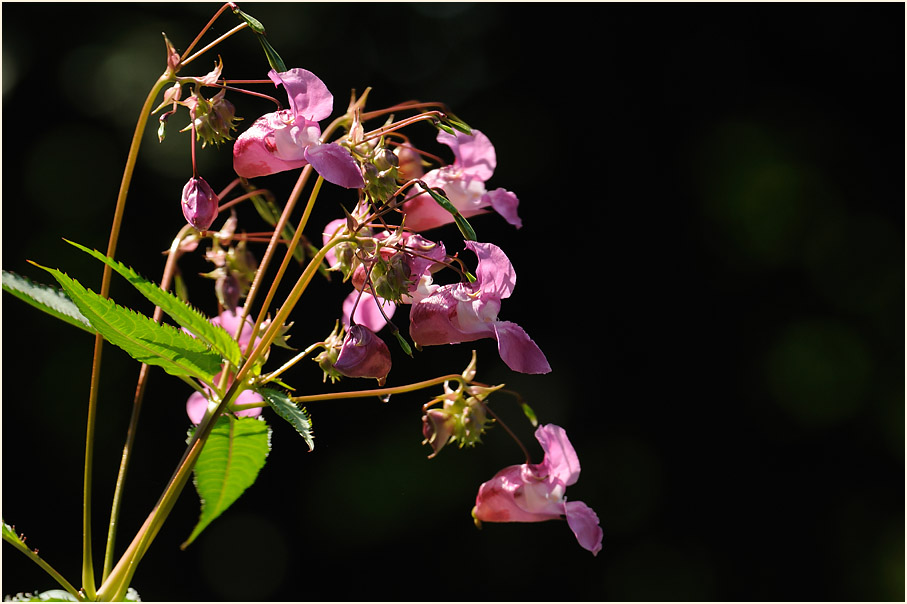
[290, 138]
[198, 403]
[463, 312]
[199, 203]
[463, 183]
[363, 354]
[535, 492]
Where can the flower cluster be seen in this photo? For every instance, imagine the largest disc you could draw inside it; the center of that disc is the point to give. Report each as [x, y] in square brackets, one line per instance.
[384, 249]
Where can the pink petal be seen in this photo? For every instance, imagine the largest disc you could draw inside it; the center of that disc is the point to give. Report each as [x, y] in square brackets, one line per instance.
[433, 320]
[474, 153]
[367, 312]
[254, 150]
[309, 97]
[585, 525]
[494, 271]
[246, 397]
[196, 407]
[335, 164]
[518, 350]
[497, 499]
[560, 457]
[504, 203]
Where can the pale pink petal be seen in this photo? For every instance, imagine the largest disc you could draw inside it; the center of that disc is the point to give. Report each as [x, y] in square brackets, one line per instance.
[367, 312]
[330, 231]
[196, 407]
[560, 460]
[335, 164]
[309, 97]
[518, 350]
[474, 153]
[504, 203]
[585, 525]
[247, 397]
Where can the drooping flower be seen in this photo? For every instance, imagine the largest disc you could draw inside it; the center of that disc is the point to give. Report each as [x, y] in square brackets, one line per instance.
[463, 183]
[199, 203]
[463, 312]
[363, 354]
[290, 138]
[535, 492]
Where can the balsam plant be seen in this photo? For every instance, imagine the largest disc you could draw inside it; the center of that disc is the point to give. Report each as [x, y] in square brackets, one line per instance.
[380, 248]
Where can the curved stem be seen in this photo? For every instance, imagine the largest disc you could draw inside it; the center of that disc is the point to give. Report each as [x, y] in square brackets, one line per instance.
[88, 581]
[332, 396]
[239, 27]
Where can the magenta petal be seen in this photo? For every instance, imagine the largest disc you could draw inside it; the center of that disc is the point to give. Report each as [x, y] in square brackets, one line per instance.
[585, 525]
[335, 164]
[560, 457]
[309, 97]
[363, 354]
[504, 203]
[518, 350]
[497, 499]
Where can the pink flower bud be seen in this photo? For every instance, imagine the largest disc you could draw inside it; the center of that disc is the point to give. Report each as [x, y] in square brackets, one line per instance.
[199, 203]
[364, 355]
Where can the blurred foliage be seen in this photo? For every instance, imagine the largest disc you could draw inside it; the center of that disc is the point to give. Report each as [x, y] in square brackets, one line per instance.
[712, 261]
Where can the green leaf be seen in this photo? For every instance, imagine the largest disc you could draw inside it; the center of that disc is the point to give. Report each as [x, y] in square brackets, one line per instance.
[288, 410]
[229, 464]
[185, 315]
[529, 413]
[44, 297]
[465, 228]
[167, 347]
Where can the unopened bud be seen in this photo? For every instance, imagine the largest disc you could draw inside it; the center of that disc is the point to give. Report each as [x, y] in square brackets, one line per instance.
[364, 355]
[409, 164]
[199, 203]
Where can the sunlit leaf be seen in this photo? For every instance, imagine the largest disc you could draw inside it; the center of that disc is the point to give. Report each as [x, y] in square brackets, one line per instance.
[234, 454]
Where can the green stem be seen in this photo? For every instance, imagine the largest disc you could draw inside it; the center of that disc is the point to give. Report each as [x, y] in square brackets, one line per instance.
[9, 537]
[136, 409]
[115, 586]
[88, 580]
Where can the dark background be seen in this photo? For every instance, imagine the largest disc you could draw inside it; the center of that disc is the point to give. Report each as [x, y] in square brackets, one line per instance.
[712, 260]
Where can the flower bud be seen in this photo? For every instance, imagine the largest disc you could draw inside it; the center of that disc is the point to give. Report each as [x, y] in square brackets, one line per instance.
[409, 163]
[199, 203]
[363, 355]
